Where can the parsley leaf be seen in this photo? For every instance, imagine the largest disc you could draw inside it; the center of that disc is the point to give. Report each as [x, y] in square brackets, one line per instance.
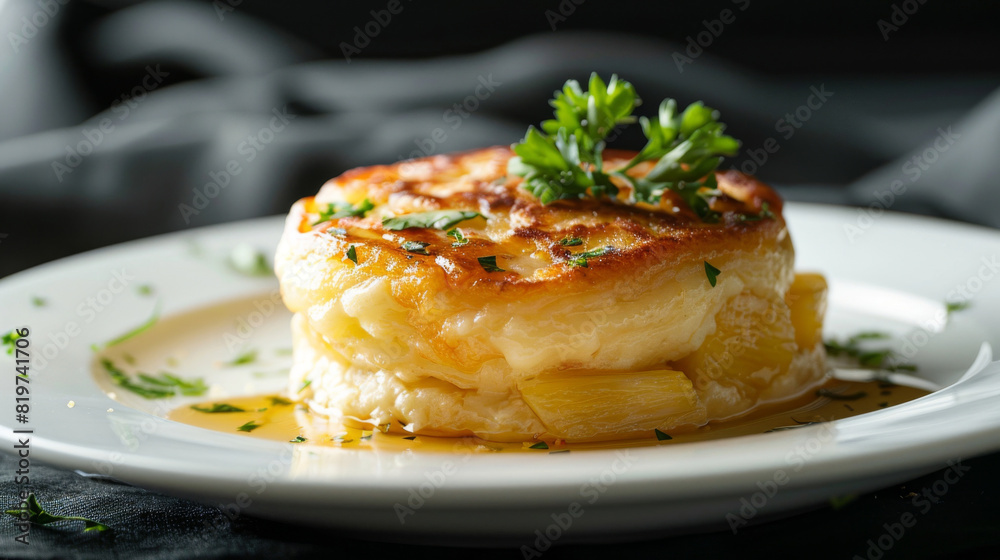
[459, 238]
[248, 260]
[134, 332]
[565, 161]
[122, 379]
[953, 306]
[539, 445]
[248, 357]
[352, 254]
[489, 264]
[218, 407]
[571, 242]
[418, 247]
[660, 436]
[298, 439]
[9, 340]
[38, 516]
[337, 210]
[249, 426]
[580, 259]
[438, 219]
[712, 273]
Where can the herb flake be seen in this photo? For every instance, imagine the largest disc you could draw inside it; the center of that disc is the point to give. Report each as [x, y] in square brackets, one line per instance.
[712, 273]
[661, 436]
[352, 254]
[38, 516]
[249, 426]
[418, 247]
[218, 408]
[489, 264]
[337, 210]
[437, 219]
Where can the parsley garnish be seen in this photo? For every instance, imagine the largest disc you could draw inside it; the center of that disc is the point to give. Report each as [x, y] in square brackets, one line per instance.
[539, 445]
[193, 388]
[565, 161]
[38, 301]
[218, 407]
[953, 306]
[38, 516]
[134, 332]
[9, 340]
[489, 264]
[352, 254]
[164, 386]
[884, 358]
[298, 439]
[278, 401]
[580, 259]
[248, 357]
[144, 290]
[246, 259]
[765, 214]
[459, 238]
[660, 436]
[249, 426]
[418, 247]
[437, 219]
[712, 273]
[571, 242]
[336, 210]
[307, 383]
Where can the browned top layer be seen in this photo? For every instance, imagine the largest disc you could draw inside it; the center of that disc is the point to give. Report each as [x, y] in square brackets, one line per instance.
[518, 230]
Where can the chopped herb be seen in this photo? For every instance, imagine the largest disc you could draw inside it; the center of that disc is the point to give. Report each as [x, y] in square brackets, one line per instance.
[298, 439]
[247, 260]
[765, 214]
[867, 335]
[581, 259]
[248, 357]
[660, 436]
[418, 247]
[883, 404]
[438, 219]
[129, 359]
[144, 290]
[218, 407]
[411, 438]
[366, 435]
[560, 451]
[9, 340]
[38, 516]
[38, 302]
[489, 264]
[571, 242]
[121, 379]
[459, 238]
[307, 383]
[884, 359]
[249, 426]
[955, 306]
[539, 445]
[337, 210]
[132, 333]
[352, 254]
[193, 388]
[712, 273]
[278, 401]
[795, 427]
[840, 397]
[566, 162]
[337, 231]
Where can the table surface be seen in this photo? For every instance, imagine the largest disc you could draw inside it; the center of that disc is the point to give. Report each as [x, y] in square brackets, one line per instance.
[958, 518]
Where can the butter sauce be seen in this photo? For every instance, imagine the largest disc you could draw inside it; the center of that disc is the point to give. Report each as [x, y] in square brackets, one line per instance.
[282, 420]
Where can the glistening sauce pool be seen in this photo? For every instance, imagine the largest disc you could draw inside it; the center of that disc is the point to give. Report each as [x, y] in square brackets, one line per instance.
[276, 418]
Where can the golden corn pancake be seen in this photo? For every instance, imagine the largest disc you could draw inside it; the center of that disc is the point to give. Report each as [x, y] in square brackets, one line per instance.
[511, 320]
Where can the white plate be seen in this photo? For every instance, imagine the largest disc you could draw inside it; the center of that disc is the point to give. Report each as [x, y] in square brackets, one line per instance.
[893, 276]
